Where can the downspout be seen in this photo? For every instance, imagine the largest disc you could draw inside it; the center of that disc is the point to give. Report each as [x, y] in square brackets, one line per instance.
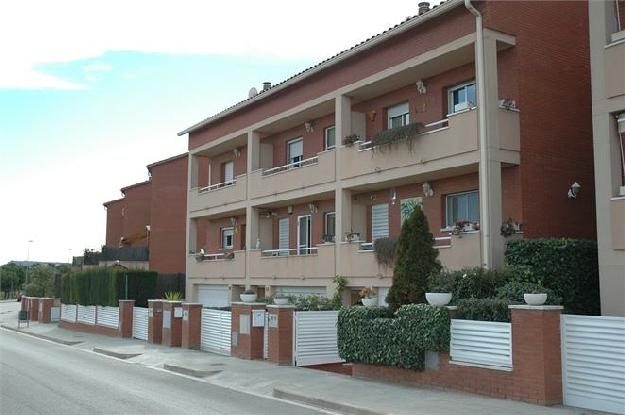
[484, 168]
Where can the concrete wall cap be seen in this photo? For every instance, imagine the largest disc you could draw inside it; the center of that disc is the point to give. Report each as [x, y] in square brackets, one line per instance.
[280, 306]
[536, 307]
[193, 304]
[156, 300]
[244, 303]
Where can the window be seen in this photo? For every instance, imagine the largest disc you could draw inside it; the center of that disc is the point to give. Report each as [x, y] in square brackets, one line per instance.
[227, 238]
[303, 235]
[398, 115]
[406, 206]
[283, 236]
[461, 97]
[295, 151]
[330, 137]
[379, 221]
[228, 171]
[330, 227]
[462, 207]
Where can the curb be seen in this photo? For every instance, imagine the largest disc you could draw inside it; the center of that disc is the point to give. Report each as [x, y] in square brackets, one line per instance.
[43, 336]
[118, 355]
[323, 403]
[191, 372]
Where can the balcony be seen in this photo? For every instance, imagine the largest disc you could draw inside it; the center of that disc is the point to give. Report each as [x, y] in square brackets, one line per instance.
[216, 266]
[274, 263]
[449, 143]
[218, 195]
[304, 174]
[614, 66]
[617, 216]
[460, 251]
[358, 260]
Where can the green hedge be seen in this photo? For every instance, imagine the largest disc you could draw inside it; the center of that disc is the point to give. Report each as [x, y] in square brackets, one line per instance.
[569, 267]
[473, 282]
[370, 335]
[483, 309]
[106, 286]
[514, 292]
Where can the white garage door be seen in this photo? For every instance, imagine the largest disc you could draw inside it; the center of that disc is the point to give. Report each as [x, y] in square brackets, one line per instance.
[213, 295]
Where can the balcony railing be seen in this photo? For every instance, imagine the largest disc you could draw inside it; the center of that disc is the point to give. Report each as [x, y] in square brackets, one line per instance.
[315, 262]
[295, 165]
[216, 186]
[218, 194]
[431, 128]
[229, 264]
[289, 251]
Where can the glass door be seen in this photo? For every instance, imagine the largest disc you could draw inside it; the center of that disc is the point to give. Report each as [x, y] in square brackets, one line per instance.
[303, 235]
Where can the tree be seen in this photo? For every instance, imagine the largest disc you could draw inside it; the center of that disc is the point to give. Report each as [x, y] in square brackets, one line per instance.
[41, 281]
[11, 278]
[416, 259]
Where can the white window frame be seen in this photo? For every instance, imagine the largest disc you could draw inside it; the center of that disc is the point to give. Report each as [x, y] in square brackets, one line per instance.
[304, 249]
[325, 137]
[447, 198]
[325, 225]
[224, 236]
[290, 160]
[225, 170]
[451, 108]
[401, 110]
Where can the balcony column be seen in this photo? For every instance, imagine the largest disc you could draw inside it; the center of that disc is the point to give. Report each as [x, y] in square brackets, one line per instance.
[490, 166]
[342, 198]
[193, 171]
[253, 151]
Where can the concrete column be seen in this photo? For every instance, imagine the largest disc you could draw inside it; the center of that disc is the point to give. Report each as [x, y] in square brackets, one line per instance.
[34, 308]
[343, 209]
[155, 321]
[24, 303]
[191, 325]
[126, 313]
[172, 323]
[194, 171]
[45, 309]
[247, 340]
[281, 333]
[253, 151]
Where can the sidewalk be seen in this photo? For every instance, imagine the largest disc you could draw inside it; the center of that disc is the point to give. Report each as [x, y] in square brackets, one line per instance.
[326, 390]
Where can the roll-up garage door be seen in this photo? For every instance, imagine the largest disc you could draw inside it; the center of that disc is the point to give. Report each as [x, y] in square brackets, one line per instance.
[213, 295]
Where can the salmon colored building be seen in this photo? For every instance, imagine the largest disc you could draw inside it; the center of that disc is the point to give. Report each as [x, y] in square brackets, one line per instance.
[486, 106]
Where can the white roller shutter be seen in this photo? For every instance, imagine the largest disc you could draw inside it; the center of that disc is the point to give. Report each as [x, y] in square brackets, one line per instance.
[382, 293]
[316, 338]
[140, 323]
[213, 295]
[379, 221]
[283, 235]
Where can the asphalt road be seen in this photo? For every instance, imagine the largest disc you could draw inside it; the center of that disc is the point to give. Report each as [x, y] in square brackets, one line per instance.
[40, 377]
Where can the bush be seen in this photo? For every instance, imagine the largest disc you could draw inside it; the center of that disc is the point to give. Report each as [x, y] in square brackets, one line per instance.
[416, 259]
[514, 290]
[483, 309]
[41, 281]
[369, 334]
[569, 267]
[469, 282]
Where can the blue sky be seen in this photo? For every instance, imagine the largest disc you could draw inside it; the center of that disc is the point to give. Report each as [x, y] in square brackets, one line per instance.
[99, 91]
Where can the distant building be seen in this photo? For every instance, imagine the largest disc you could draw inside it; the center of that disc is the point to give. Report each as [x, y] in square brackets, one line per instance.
[30, 264]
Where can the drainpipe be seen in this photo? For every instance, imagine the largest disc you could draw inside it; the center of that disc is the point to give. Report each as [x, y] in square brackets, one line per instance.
[484, 168]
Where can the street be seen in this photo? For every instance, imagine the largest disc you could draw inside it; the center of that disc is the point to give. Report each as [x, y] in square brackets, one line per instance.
[40, 377]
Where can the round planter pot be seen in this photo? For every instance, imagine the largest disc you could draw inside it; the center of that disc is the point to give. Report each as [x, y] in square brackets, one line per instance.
[535, 299]
[439, 299]
[280, 301]
[248, 298]
[370, 302]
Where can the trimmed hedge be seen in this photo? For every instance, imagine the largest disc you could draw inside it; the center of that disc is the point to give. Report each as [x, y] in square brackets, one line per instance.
[483, 309]
[475, 282]
[370, 335]
[106, 286]
[569, 267]
[514, 291]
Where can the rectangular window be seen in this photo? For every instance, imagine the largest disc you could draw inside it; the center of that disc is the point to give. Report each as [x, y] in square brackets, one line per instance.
[228, 171]
[379, 221]
[295, 151]
[330, 137]
[303, 235]
[330, 227]
[462, 207]
[398, 115]
[461, 97]
[283, 236]
[227, 238]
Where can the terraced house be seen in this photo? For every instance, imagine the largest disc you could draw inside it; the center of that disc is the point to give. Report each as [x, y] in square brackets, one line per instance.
[479, 112]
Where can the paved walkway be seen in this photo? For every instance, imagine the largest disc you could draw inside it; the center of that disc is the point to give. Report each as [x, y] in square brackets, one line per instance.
[322, 389]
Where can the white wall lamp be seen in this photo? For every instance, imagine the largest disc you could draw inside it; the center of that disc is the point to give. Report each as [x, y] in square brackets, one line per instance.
[237, 152]
[308, 125]
[421, 89]
[427, 189]
[312, 207]
[574, 190]
[393, 197]
[233, 221]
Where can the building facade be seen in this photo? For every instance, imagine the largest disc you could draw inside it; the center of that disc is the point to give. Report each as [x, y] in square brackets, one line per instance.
[458, 109]
[607, 51]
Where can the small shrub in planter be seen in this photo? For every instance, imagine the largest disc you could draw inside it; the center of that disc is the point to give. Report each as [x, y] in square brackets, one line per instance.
[248, 296]
[483, 309]
[368, 296]
[349, 140]
[514, 292]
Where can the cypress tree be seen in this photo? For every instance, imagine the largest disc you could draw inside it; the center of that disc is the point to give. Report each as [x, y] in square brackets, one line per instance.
[415, 260]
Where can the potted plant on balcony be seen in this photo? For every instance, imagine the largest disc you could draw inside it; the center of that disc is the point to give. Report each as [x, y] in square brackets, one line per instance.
[465, 226]
[280, 299]
[368, 297]
[349, 140]
[248, 296]
[509, 228]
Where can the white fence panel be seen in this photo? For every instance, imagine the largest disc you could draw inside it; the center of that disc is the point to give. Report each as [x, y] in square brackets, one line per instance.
[216, 333]
[86, 314]
[140, 323]
[481, 343]
[593, 362]
[108, 316]
[316, 338]
[266, 337]
[55, 313]
[68, 312]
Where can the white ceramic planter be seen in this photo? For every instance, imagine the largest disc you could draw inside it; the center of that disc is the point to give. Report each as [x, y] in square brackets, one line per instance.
[248, 298]
[535, 299]
[280, 301]
[370, 302]
[439, 299]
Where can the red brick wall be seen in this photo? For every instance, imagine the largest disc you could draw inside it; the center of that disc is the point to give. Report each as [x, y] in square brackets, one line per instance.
[216, 163]
[317, 221]
[136, 214]
[209, 233]
[89, 328]
[114, 222]
[168, 216]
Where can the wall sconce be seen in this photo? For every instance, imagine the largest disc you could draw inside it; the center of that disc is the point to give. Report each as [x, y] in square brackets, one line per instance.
[312, 207]
[233, 221]
[393, 197]
[620, 120]
[371, 115]
[308, 126]
[427, 190]
[574, 190]
[289, 209]
[421, 87]
[237, 152]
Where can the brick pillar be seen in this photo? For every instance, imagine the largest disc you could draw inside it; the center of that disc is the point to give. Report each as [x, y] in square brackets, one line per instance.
[536, 353]
[155, 321]
[191, 325]
[45, 309]
[281, 333]
[172, 323]
[126, 312]
[247, 340]
[34, 308]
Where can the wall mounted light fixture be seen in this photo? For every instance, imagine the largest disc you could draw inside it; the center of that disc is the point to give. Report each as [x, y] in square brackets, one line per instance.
[427, 190]
[421, 89]
[393, 196]
[574, 190]
[371, 115]
[308, 126]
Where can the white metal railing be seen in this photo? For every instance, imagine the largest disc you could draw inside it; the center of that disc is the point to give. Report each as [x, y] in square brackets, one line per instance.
[108, 316]
[68, 312]
[483, 343]
[216, 186]
[442, 242]
[290, 166]
[140, 323]
[216, 331]
[315, 338]
[435, 127]
[289, 251]
[86, 314]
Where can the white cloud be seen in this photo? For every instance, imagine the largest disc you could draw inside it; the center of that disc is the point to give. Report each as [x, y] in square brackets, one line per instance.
[93, 71]
[68, 30]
